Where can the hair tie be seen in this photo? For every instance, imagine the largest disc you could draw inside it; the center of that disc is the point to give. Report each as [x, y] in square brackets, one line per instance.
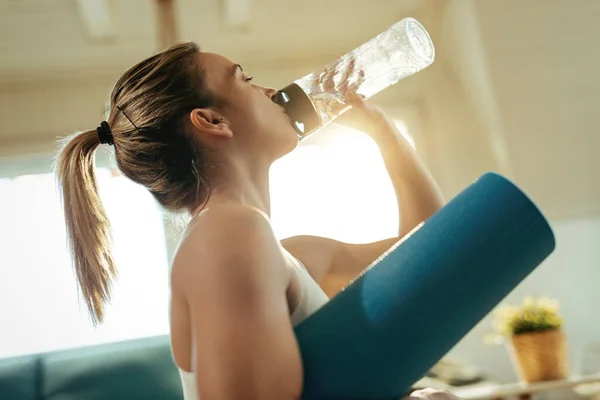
[105, 134]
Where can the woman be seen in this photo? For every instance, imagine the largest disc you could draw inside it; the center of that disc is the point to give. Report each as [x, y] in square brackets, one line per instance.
[200, 136]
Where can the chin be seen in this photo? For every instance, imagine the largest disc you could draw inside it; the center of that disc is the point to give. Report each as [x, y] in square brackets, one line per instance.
[287, 142]
[293, 137]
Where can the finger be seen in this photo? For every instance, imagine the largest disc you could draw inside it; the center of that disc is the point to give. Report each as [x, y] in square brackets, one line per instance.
[354, 100]
[328, 82]
[360, 79]
[327, 78]
[319, 81]
[346, 77]
[423, 394]
[432, 394]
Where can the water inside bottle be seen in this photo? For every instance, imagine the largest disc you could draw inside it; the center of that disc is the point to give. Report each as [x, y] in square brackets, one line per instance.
[329, 105]
[401, 51]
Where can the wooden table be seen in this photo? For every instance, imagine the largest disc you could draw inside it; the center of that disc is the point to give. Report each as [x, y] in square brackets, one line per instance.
[524, 391]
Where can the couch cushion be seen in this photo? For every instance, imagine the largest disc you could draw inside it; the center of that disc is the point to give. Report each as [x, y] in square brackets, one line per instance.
[19, 378]
[139, 369]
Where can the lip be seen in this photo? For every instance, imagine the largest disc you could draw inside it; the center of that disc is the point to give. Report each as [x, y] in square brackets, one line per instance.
[277, 101]
[286, 114]
[292, 125]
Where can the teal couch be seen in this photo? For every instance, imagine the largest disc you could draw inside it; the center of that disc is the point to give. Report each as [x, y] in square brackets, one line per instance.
[136, 369]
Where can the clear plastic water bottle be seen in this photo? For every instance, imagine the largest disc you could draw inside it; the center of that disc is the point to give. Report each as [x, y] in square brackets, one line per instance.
[316, 99]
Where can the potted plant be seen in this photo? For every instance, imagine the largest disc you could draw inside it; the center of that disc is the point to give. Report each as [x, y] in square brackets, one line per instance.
[535, 338]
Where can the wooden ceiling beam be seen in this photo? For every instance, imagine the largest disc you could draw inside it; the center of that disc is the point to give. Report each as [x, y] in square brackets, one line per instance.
[167, 27]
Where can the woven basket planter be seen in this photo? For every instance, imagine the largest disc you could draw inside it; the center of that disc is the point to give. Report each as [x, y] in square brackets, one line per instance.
[540, 356]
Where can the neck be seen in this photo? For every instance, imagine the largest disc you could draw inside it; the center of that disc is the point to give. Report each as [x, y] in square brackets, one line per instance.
[241, 182]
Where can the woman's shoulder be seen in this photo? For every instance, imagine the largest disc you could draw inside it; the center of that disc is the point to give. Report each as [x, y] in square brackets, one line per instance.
[225, 221]
[225, 213]
[225, 237]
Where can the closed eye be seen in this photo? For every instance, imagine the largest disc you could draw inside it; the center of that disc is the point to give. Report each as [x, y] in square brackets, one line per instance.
[238, 67]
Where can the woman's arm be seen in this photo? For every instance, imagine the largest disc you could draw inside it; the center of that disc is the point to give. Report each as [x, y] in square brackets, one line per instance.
[231, 272]
[417, 193]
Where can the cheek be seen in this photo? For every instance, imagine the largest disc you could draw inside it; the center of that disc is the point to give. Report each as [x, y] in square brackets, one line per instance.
[253, 106]
[254, 112]
[261, 110]
[245, 114]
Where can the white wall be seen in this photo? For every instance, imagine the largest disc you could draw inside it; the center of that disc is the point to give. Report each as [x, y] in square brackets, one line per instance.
[572, 275]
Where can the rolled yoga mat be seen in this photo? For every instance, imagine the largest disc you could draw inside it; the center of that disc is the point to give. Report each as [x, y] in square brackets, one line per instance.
[393, 323]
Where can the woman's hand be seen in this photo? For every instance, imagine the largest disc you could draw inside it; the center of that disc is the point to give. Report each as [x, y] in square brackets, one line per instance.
[369, 119]
[363, 116]
[432, 394]
[417, 192]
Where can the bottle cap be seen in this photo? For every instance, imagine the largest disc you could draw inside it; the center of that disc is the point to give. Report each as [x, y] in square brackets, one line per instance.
[299, 107]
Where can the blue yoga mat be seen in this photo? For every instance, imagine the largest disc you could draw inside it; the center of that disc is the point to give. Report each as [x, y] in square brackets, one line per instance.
[393, 323]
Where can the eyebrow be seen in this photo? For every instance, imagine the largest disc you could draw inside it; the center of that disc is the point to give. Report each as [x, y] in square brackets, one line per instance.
[236, 67]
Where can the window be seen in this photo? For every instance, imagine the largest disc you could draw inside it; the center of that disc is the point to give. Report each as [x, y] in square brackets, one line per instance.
[336, 187]
[38, 293]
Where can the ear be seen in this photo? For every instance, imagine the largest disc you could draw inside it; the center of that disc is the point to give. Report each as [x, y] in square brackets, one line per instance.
[207, 121]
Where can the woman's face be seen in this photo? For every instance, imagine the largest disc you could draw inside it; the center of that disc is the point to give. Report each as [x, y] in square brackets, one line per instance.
[257, 123]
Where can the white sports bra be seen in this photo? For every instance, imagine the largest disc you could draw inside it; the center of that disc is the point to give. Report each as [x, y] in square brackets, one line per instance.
[312, 297]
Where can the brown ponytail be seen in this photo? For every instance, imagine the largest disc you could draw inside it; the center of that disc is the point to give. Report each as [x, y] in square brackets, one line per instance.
[145, 114]
[87, 226]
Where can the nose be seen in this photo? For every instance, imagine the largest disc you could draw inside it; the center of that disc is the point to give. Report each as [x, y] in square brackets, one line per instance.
[270, 92]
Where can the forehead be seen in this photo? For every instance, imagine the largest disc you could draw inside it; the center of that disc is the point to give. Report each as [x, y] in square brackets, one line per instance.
[218, 70]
